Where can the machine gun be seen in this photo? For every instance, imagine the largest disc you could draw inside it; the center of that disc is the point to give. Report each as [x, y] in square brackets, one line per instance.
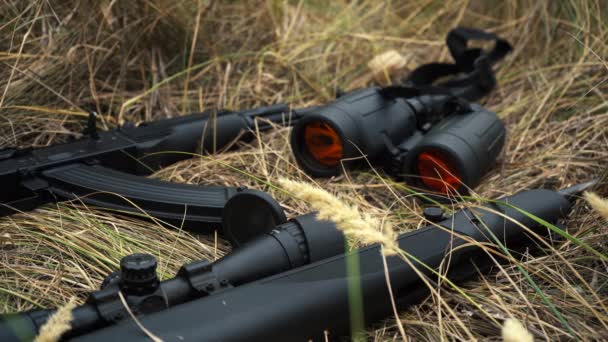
[102, 164]
[292, 283]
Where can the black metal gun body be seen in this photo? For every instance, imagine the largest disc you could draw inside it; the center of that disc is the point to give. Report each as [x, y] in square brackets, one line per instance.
[104, 168]
[238, 297]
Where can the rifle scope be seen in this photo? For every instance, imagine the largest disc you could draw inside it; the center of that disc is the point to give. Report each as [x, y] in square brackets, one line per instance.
[313, 301]
[297, 242]
[436, 141]
[293, 283]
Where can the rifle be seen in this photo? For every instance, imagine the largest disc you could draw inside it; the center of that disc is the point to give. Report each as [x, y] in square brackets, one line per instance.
[292, 283]
[102, 164]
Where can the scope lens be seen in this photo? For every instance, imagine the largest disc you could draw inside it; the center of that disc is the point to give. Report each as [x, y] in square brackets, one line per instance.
[438, 171]
[323, 143]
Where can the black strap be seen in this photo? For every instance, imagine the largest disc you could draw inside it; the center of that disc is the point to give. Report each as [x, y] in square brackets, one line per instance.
[471, 76]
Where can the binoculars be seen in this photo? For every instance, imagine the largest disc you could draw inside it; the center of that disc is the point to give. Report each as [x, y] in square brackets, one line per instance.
[438, 142]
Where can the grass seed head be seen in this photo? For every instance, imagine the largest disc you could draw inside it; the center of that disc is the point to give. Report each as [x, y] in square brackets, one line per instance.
[514, 331]
[600, 205]
[356, 226]
[57, 324]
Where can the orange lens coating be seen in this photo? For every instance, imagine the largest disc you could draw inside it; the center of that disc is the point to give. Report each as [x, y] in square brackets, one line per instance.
[323, 143]
[437, 171]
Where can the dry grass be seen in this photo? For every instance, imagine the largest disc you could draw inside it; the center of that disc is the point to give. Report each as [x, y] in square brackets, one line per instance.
[145, 59]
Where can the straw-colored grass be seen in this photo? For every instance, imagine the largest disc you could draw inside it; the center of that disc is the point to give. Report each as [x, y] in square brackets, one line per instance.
[147, 59]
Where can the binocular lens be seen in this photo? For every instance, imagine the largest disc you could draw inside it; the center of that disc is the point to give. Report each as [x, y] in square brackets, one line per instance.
[323, 143]
[437, 171]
